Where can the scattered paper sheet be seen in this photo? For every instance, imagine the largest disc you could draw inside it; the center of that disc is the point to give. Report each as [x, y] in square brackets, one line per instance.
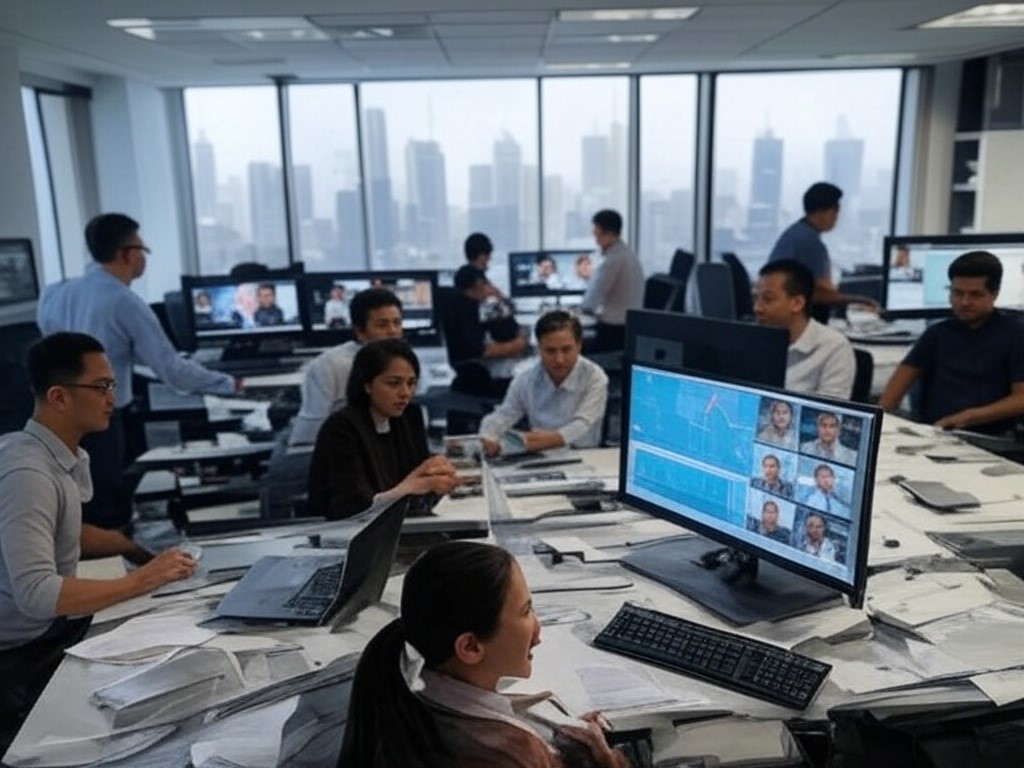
[616, 688]
[251, 738]
[1002, 687]
[142, 638]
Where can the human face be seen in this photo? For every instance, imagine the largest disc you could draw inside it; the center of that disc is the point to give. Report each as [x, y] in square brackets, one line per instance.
[559, 351]
[266, 298]
[381, 323]
[87, 403]
[825, 480]
[971, 300]
[825, 221]
[770, 517]
[509, 651]
[772, 305]
[604, 238]
[770, 467]
[545, 268]
[828, 429]
[814, 528]
[391, 390]
[134, 253]
[584, 268]
[782, 416]
[337, 293]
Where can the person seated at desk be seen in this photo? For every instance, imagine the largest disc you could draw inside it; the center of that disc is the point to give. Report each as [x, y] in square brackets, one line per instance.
[267, 312]
[827, 445]
[563, 397]
[971, 365]
[44, 478]
[816, 541]
[823, 495]
[376, 446]
[771, 480]
[820, 359]
[376, 314]
[467, 612]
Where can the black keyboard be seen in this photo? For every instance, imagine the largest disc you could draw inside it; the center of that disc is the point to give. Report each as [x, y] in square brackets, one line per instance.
[738, 663]
[318, 592]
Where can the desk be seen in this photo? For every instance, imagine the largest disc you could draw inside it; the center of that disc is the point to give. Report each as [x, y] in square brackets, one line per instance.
[565, 659]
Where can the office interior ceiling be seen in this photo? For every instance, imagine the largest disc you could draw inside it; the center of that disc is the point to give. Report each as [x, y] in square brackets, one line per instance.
[361, 40]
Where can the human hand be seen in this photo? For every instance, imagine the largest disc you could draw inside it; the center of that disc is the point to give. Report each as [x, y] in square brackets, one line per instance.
[491, 446]
[959, 420]
[421, 485]
[864, 304]
[168, 566]
[435, 465]
[539, 439]
[591, 736]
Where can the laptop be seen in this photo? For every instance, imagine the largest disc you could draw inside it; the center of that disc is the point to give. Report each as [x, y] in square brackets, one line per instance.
[327, 587]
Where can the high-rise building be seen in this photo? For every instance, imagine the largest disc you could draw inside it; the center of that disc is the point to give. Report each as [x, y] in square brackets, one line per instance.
[427, 207]
[508, 177]
[351, 246]
[482, 211]
[204, 179]
[844, 161]
[596, 169]
[303, 181]
[383, 218]
[765, 189]
[266, 206]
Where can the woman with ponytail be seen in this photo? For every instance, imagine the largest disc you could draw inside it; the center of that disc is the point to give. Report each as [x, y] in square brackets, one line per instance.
[466, 611]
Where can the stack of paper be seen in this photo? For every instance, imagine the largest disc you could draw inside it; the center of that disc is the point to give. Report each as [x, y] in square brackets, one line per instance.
[143, 639]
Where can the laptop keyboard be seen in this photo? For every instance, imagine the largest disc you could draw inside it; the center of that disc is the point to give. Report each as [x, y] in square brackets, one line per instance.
[318, 592]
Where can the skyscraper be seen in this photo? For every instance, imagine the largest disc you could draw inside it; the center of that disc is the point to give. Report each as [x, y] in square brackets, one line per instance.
[508, 175]
[303, 181]
[204, 179]
[596, 170]
[844, 160]
[383, 227]
[765, 189]
[349, 221]
[266, 205]
[427, 209]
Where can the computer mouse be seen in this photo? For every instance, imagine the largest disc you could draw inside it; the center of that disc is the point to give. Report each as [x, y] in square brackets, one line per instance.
[193, 550]
[897, 478]
[891, 543]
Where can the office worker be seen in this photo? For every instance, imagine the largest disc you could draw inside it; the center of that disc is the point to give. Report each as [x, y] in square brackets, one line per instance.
[820, 359]
[769, 525]
[771, 479]
[336, 309]
[44, 478]
[376, 446]
[826, 445]
[467, 612]
[801, 242]
[617, 286]
[546, 273]
[267, 312]
[779, 429]
[101, 304]
[971, 365]
[563, 396]
[376, 314]
[816, 541]
[823, 495]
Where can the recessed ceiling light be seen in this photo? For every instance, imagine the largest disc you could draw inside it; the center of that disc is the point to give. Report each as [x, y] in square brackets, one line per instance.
[872, 58]
[146, 33]
[629, 14]
[986, 15]
[122, 23]
[251, 28]
[631, 38]
[588, 66]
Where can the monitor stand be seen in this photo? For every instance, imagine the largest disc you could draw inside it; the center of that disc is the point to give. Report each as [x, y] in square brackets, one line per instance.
[734, 585]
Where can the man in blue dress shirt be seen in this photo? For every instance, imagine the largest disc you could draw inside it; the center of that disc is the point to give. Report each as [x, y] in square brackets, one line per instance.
[101, 304]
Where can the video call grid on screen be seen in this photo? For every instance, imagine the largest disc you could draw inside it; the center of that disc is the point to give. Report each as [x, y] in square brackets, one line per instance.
[917, 272]
[247, 307]
[706, 450]
[329, 297]
[17, 272]
[562, 273]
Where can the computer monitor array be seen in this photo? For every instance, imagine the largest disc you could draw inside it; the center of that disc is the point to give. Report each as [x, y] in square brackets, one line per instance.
[225, 307]
[17, 272]
[776, 476]
[550, 273]
[915, 271]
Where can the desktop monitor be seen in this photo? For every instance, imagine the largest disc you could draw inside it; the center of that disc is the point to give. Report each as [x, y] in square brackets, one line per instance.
[326, 297]
[766, 474]
[17, 272]
[550, 273]
[914, 271]
[243, 311]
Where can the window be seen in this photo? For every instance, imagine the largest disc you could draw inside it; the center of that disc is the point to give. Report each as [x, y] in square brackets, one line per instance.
[443, 159]
[778, 133]
[49, 239]
[327, 198]
[586, 155]
[235, 149]
[668, 136]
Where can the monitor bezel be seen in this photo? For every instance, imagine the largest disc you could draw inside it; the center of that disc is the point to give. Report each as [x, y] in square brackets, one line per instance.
[188, 282]
[26, 244]
[970, 242]
[541, 293]
[855, 590]
[429, 336]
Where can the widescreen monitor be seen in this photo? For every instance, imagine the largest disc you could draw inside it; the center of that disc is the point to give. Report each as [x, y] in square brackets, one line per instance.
[17, 272]
[768, 475]
[327, 296]
[915, 271]
[250, 309]
[550, 273]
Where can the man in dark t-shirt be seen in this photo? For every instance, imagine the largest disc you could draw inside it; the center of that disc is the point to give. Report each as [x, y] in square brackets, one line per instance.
[971, 366]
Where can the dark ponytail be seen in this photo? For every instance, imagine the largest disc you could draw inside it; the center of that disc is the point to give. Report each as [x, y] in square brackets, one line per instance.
[388, 726]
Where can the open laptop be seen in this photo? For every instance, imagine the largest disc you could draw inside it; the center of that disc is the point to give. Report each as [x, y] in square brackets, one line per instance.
[317, 589]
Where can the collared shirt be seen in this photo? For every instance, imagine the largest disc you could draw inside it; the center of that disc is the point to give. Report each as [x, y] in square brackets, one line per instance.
[780, 534]
[102, 306]
[826, 550]
[574, 408]
[827, 502]
[801, 242]
[785, 439]
[780, 486]
[834, 452]
[617, 286]
[42, 487]
[323, 390]
[821, 361]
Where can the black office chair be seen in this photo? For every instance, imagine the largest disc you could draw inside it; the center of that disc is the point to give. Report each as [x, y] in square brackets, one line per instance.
[862, 378]
[868, 286]
[177, 315]
[742, 289]
[682, 265]
[664, 292]
[715, 291]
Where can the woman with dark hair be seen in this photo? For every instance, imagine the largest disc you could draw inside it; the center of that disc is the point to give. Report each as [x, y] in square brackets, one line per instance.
[375, 448]
[467, 611]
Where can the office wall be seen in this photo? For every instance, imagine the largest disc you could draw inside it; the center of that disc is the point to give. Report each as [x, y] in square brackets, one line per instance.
[933, 162]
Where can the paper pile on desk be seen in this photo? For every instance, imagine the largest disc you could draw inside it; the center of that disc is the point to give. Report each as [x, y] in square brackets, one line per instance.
[251, 739]
[143, 639]
[911, 603]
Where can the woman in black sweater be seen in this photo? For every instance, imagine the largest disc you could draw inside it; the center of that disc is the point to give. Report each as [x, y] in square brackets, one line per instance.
[376, 446]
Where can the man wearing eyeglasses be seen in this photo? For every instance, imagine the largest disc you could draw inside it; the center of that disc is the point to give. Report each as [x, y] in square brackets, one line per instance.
[44, 478]
[971, 366]
[101, 304]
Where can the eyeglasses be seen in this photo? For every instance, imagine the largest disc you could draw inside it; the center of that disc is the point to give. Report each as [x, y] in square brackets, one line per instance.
[143, 248]
[105, 387]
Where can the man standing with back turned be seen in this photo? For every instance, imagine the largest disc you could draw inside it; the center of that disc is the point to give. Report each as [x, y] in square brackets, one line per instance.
[101, 304]
[617, 286]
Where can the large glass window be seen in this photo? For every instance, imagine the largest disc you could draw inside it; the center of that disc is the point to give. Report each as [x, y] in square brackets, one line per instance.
[235, 147]
[668, 136]
[49, 237]
[325, 165]
[586, 155]
[778, 133]
[443, 159]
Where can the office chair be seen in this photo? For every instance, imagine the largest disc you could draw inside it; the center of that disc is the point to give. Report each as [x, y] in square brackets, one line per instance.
[742, 288]
[715, 293]
[16, 399]
[862, 378]
[177, 315]
[664, 292]
[682, 265]
[868, 286]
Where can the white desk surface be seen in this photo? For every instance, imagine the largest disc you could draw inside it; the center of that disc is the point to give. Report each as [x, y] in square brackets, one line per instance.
[565, 652]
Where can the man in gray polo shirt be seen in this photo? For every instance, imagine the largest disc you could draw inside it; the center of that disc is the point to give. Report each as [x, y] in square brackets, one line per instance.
[617, 287]
[44, 478]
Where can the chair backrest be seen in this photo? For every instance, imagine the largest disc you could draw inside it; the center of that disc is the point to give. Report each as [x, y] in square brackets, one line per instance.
[664, 292]
[176, 313]
[16, 399]
[865, 371]
[715, 291]
[742, 288]
[869, 286]
[682, 264]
